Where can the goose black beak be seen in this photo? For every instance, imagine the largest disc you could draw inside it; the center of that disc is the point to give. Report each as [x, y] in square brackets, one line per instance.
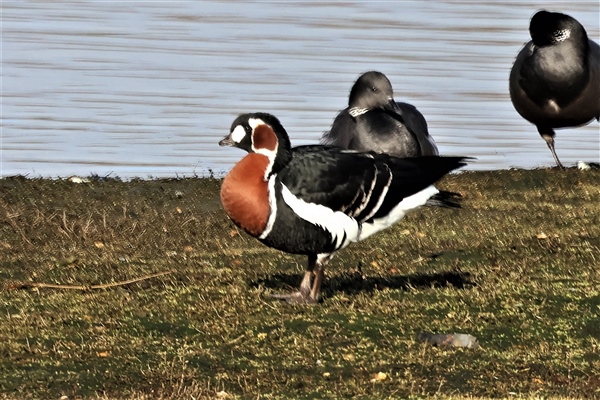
[392, 106]
[227, 141]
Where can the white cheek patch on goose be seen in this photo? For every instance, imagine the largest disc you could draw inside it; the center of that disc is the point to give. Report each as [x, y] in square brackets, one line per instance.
[343, 228]
[238, 134]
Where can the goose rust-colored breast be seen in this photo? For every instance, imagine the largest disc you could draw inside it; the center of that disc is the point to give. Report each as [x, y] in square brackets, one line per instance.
[245, 194]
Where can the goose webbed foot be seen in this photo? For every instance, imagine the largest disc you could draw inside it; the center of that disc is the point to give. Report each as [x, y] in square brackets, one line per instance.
[309, 288]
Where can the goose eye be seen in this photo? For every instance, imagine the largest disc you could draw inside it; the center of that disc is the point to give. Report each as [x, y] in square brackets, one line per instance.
[373, 89]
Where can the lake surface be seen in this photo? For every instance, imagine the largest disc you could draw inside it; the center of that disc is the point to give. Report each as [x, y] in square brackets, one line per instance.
[147, 89]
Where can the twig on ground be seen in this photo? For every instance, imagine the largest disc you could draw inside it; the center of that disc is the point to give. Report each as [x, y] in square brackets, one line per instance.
[17, 228]
[27, 285]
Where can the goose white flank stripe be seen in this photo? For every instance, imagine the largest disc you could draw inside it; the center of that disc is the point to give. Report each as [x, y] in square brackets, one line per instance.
[555, 79]
[373, 121]
[343, 229]
[404, 207]
[316, 200]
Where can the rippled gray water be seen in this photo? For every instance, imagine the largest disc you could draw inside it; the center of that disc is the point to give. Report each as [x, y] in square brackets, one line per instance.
[141, 89]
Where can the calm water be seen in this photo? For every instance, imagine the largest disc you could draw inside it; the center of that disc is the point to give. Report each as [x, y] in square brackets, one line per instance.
[146, 89]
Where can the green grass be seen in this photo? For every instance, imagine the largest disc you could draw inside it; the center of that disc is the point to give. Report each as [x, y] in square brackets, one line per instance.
[209, 329]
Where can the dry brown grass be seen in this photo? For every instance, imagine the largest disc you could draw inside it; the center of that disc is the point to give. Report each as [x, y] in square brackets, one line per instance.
[517, 267]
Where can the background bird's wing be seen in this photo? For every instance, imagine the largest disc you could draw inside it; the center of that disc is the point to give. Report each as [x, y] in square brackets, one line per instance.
[417, 125]
[342, 131]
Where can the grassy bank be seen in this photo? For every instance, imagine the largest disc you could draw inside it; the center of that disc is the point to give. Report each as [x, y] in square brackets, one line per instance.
[517, 267]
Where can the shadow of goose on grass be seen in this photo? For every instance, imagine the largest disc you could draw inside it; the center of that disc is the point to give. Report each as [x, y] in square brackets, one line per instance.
[354, 282]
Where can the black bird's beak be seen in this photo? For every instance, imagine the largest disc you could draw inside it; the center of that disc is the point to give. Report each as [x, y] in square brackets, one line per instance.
[392, 106]
[227, 141]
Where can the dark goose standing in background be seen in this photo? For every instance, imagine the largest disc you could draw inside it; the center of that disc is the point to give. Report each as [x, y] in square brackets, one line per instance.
[555, 80]
[316, 200]
[373, 121]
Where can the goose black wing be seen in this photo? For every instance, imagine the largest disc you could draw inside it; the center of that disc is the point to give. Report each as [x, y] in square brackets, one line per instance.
[362, 185]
